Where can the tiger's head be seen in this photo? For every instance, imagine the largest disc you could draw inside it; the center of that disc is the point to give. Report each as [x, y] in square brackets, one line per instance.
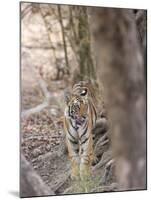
[77, 109]
[77, 102]
[81, 90]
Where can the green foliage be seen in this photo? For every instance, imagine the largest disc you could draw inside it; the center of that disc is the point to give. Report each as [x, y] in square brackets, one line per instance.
[84, 186]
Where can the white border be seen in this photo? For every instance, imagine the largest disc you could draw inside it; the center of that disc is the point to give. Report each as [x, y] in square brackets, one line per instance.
[9, 98]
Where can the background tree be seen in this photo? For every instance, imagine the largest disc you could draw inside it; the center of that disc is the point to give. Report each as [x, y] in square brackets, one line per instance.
[63, 37]
[86, 64]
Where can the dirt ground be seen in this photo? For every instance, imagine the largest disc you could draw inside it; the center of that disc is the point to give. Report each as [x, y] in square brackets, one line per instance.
[42, 143]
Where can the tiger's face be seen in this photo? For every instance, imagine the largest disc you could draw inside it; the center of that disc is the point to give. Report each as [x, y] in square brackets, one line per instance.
[78, 103]
[77, 110]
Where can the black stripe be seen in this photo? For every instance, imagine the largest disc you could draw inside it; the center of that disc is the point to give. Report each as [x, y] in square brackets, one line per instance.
[84, 132]
[84, 141]
[71, 123]
[74, 142]
[76, 128]
[71, 135]
[69, 111]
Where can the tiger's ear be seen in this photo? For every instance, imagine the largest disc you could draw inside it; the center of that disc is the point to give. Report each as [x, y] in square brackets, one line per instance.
[67, 96]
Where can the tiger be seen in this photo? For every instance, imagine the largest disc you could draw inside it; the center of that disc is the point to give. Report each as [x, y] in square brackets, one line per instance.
[79, 120]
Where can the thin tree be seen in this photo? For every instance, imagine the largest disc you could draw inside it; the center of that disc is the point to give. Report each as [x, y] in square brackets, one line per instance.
[48, 29]
[85, 59]
[63, 37]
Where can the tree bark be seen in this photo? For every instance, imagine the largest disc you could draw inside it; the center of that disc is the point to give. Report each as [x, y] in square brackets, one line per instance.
[120, 68]
[63, 38]
[86, 65]
[48, 29]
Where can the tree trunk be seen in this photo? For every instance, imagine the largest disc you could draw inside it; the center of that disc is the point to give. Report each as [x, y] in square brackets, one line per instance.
[63, 38]
[86, 65]
[120, 68]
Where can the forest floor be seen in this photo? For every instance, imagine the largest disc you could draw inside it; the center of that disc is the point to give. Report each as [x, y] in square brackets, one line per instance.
[42, 143]
[42, 135]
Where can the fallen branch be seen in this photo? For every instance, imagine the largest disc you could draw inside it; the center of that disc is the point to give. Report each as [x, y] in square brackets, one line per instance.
[40, 107]
[101, 163]
[36, 109]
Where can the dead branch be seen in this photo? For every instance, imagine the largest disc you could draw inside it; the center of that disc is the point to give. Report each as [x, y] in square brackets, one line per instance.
[36, 109]
[102, 163]
[47, 95]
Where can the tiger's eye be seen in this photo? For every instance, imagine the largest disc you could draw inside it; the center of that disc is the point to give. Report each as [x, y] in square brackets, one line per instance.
[84, 92]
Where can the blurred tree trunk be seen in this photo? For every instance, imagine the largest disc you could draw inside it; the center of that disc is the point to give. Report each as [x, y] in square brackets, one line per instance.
[31, 183]
[72, 24]
[120, 68]
[86, 65]
[63, 38]
[48, 28]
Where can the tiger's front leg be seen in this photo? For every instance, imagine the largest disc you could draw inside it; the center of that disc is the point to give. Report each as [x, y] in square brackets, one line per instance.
[75, 168]
[86, 157]
[72, 143]
[73, 149]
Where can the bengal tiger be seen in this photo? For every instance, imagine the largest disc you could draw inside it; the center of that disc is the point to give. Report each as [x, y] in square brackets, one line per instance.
[79, 120]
